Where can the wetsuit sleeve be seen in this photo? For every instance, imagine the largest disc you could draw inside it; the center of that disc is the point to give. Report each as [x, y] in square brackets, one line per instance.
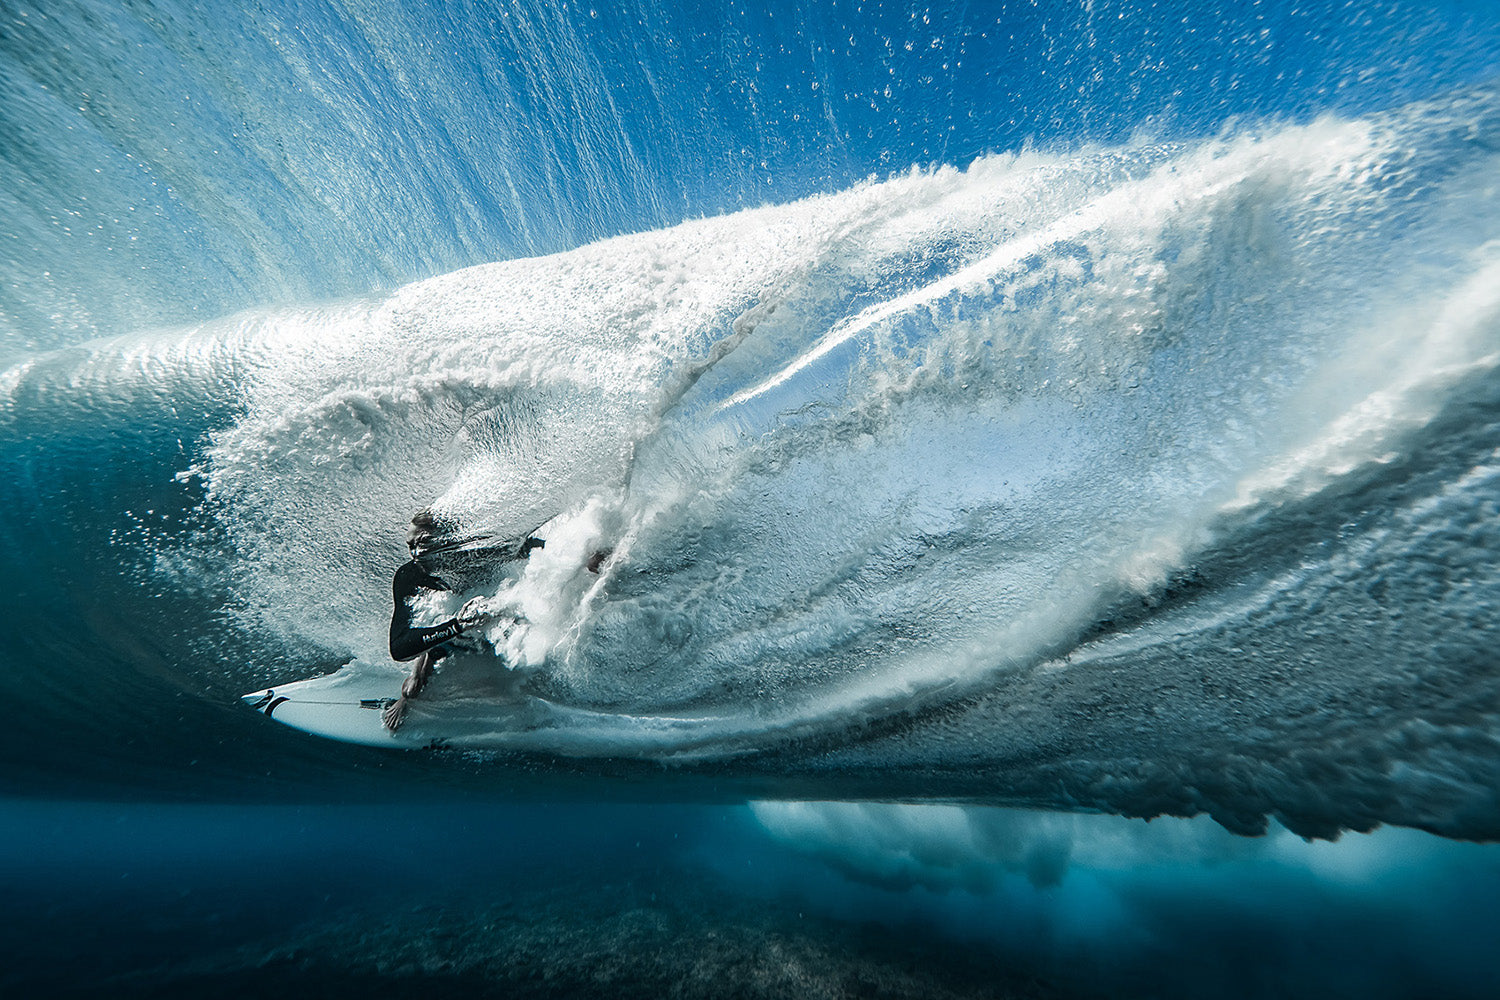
[408, 641]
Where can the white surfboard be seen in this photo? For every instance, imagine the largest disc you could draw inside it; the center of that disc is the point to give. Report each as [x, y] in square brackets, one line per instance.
[347, 705]
[471, 701]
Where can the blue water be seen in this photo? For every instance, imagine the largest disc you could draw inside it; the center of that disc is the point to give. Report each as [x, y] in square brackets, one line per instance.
[1033, 417]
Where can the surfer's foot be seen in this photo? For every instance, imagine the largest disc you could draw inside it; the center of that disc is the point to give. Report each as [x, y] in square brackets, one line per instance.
[394, 713]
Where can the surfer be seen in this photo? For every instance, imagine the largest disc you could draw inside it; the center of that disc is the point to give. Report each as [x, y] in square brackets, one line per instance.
[432, 554]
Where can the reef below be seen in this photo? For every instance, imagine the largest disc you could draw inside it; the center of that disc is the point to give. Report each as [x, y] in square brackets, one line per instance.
[678, 934]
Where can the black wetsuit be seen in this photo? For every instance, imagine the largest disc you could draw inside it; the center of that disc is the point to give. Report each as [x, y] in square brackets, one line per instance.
[408, 641]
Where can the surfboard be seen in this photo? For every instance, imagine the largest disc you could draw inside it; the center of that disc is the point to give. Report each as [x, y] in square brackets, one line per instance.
[346, 705]
[473, 700]
[470, 704]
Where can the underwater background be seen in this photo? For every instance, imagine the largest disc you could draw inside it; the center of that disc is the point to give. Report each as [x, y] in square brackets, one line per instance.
[1050, 456]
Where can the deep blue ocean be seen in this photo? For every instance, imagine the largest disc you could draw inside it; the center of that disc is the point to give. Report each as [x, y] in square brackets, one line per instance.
[1048, 456]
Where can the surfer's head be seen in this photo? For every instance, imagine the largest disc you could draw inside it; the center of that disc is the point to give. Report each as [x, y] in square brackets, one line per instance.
[439, 545]
[425, 532]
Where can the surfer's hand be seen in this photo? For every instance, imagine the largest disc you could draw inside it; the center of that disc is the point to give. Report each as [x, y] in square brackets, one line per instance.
[475, 612]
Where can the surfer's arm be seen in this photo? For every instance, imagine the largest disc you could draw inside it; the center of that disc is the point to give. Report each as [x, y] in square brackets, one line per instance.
[408, 644]
[408, 641]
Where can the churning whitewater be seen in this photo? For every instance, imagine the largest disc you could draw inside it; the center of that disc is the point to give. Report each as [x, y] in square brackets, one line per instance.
[1159, 477]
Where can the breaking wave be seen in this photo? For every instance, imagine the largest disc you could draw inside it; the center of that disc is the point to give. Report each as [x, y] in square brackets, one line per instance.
[1156, 476]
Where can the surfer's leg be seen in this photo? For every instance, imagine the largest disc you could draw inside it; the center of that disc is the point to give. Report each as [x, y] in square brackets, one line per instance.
[421, 673]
